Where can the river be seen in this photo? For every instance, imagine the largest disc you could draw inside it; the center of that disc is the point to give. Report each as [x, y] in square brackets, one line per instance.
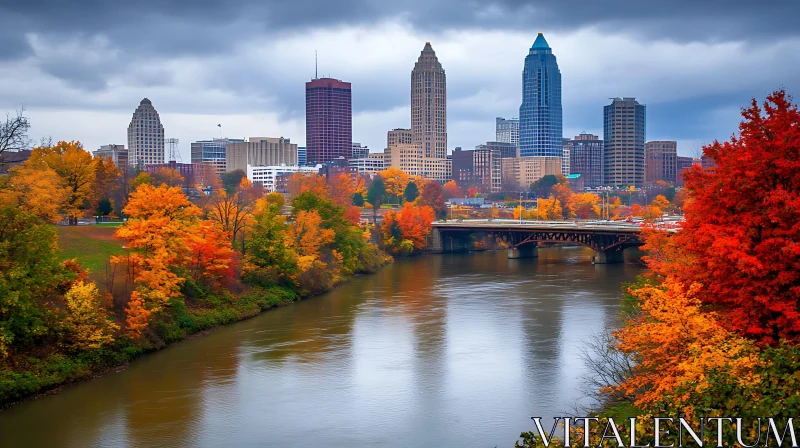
[457, 350]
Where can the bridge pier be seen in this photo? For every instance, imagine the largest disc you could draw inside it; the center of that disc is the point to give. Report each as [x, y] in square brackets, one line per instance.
[608, 257]
[525, 250]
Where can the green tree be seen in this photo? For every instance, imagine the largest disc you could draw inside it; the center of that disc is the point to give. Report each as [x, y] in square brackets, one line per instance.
[269, 259]
[30, 272]
[544, 186]
[358, 199]
[230, 181]
[411, 193]
[104, 207]
[375, 194]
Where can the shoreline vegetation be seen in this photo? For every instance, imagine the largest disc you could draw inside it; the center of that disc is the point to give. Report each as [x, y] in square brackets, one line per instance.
[51, 376]
[713, 331]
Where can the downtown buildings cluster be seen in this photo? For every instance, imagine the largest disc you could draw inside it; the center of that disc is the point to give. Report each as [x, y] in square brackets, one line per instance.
[524, 150]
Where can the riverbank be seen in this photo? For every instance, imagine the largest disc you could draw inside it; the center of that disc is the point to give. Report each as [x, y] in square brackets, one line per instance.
[34, 377]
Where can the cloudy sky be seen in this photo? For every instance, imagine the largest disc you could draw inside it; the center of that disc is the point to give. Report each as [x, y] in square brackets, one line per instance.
[81, 68]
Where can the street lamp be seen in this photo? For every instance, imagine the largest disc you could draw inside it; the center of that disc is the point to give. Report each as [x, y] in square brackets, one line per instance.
[520, 206]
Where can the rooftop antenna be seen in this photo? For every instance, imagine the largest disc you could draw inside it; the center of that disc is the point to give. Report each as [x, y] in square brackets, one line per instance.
[174, 152]
[315, 65]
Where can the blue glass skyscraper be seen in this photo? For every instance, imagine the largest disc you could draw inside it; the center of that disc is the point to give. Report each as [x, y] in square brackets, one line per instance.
[540, 122]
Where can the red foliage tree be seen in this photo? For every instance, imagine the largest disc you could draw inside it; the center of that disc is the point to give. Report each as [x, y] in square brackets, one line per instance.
[742, 229]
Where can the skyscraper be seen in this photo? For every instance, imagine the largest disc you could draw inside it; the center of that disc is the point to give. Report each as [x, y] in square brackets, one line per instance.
[660, 162]
[507, 131]
[624, 131]
[429, 105]
[586, 159]
[329, 120]
[145, 136]
[540, 121]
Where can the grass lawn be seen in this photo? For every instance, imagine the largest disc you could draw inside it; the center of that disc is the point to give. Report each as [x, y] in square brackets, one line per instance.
[92, 245]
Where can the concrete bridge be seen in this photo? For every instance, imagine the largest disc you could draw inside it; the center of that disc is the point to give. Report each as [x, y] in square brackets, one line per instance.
[607, 239]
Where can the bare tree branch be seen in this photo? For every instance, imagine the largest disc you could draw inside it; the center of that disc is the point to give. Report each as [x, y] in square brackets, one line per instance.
[14, 133]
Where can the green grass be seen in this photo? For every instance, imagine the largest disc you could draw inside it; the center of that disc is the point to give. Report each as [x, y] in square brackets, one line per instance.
[91, 245]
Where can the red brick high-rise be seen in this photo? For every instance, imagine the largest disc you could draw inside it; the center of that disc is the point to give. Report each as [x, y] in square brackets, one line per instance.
[329, 120]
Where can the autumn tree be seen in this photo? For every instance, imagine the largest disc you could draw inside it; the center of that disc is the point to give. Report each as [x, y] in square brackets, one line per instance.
[160, 223]
[38, 191]
[660, 202]
[741, 225]
[341, 188]
[542, 188]
[211, 260]
[395, 181]
[433, 197]
[168, 176]
[451, 190]
[234, 211]
[584, 206]
[76, 170]
[411, 224]
[299, 183]
[550, 209]
[137, 316]
[87, 324]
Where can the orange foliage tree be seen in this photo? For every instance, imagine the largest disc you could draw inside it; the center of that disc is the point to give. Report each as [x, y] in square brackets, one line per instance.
[160, 223]
[675, 343]
[407, 230]
[452, 190]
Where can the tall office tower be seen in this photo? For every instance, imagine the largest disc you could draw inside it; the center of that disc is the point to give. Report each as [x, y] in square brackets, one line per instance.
[540, 120]
[398, 137]
[329, 120]
[301, 155]
[212, 152]
[586, 159]
[623, 146]
[145, 136]
[660, 162]
[507, 131]
[429, 105]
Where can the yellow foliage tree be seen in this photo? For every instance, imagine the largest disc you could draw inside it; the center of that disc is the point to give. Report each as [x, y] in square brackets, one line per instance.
[584, 206]
[660, 202]
[307, 236]
[395, 181]
[526, 213]
[87, 322]
[37, 191]
[550, 209]
[76, 170]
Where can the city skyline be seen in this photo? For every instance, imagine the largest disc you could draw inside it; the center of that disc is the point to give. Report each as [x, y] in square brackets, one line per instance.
[688, 100]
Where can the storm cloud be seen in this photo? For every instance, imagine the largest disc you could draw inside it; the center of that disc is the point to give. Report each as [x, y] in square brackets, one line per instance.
[81, 68]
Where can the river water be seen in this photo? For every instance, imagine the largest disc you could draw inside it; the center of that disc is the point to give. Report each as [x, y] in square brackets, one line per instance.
[458, 350]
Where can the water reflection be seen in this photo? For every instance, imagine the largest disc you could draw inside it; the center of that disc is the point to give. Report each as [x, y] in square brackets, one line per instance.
[452, 350]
